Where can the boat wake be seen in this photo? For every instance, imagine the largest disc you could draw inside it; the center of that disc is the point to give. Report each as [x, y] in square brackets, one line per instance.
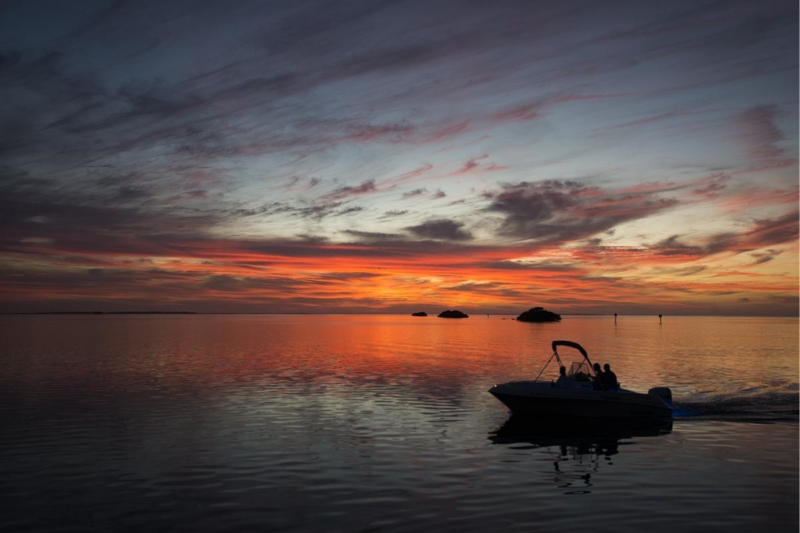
[760, 403]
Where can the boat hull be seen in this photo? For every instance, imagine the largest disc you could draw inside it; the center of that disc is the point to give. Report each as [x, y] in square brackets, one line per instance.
[555, 404]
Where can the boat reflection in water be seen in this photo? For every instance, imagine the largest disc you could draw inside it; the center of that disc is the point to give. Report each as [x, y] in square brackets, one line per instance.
[580, 448]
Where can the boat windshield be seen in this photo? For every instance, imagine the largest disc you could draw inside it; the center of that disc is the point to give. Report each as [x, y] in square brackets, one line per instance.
[579, 371]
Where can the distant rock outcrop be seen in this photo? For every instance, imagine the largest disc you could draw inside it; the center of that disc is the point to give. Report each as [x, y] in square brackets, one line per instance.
[539, 314]
[452, 314]
[421, 313]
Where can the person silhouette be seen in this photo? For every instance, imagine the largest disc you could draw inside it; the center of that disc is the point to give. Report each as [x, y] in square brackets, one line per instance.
[610, 378]
[599, 378]
[563, 380]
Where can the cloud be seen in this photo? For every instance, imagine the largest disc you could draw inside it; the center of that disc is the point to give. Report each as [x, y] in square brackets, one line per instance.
[441, 229]
[348, 276]
[523, 112]
[769, 232]
[486, 287]
[672, 246]
[350, 210]
[710, 187]
[757, 132]
[110, 158]
[312, 239]
[765, 256]
[284, 210]
[423, 192]
[31, 207]
[415, 192]
[470, 165]
[347, 191]
[680, 271]
[528, 265]
[558, 211]
[221, 282]
[762, 233]
[298, 184]
[380, 132]
[373, 236]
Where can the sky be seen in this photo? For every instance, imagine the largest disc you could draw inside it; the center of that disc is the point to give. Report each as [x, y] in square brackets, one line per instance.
[634, 157]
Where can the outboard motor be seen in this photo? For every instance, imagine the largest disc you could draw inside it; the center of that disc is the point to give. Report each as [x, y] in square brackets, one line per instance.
[662, 392]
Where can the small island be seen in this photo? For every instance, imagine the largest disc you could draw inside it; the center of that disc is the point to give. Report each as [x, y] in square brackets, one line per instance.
[420, 313]
[539, 314]
[453, 314]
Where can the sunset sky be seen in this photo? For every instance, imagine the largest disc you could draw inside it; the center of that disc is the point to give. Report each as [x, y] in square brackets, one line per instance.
[375, 156]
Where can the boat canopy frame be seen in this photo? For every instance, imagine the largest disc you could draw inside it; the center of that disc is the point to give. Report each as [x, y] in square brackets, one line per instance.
[555, 355]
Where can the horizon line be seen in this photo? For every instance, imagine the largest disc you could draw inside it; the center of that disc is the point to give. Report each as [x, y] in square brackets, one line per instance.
[475, 314]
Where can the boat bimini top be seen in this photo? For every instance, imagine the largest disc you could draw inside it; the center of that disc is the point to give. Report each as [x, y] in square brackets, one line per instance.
[576, 369]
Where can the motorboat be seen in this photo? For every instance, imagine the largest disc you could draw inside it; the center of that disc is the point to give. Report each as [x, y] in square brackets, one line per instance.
[577, 397]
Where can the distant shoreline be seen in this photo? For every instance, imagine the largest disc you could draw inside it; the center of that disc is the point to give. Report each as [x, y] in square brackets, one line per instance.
[109, 313]
[477, 316]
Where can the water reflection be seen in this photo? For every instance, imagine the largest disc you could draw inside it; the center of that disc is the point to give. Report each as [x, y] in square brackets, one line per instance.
[356, 423]
[580, 448]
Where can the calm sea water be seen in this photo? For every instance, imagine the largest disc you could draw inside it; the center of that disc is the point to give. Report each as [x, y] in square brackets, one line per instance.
[384, 423]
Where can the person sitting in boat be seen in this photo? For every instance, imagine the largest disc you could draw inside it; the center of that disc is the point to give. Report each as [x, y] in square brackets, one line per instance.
[563, 380]
[610, 378]
[598, 382]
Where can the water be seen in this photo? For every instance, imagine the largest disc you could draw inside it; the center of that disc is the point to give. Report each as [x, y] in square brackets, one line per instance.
[383, 423]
